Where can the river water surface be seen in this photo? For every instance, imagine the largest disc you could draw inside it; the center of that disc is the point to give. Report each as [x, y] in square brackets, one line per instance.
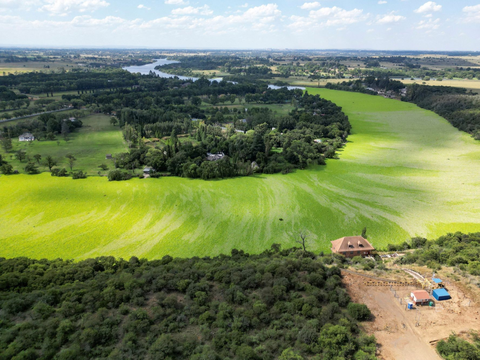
[145, 70]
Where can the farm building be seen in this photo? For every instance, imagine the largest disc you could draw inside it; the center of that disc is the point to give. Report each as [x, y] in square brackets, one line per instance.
[215, 157]
[148, 170]
[420, 297]
[108, 157]
[351, 246]
[26, 137]
[441, 294]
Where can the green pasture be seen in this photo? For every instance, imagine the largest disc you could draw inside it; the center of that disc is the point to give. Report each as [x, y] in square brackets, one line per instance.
[404, 172]
[88, 144]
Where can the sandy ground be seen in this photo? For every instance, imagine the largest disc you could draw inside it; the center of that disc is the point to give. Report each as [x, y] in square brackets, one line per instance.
[409, 334]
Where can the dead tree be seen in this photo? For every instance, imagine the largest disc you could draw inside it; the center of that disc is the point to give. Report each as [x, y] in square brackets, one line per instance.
[303, 240]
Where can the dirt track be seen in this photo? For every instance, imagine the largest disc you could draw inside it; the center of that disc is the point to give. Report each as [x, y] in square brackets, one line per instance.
[395, 327]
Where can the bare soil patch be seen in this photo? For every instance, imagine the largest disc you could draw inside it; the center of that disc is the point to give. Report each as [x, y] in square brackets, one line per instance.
[412, 334]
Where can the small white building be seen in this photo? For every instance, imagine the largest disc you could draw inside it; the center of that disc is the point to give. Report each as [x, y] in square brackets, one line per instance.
[26, 137]
[215, 157]
[420, 297]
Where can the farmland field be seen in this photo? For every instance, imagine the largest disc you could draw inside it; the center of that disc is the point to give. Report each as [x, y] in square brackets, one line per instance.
[89, 145]
[404, 172]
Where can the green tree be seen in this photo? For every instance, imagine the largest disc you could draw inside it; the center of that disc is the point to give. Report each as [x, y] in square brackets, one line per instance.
[37, 158]
[31, 168]
[6, 169]
[71, 160]
[359, 312]
[50, 162]
[113, 121]
[21, 155]
[290, 354]
[196, 101]
[65, 130]
[6, 144]
[364, 232]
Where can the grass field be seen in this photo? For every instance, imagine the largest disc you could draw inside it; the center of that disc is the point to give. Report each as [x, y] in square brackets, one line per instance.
[404, 172]
[30, 66]
[89, 145]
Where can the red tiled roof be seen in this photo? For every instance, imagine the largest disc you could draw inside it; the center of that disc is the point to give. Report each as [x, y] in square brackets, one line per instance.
[351, 243]
[421, 294]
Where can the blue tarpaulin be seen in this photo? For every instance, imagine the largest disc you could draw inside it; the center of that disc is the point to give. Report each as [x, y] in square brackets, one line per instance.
[437, 281]
[441, 294]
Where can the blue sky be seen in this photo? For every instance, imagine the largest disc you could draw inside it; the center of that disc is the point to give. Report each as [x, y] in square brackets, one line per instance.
[215, 24]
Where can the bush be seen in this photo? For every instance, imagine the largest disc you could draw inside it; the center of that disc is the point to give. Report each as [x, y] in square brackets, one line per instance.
[6, 169]
[79, 175]
[118, 175]
[59, 172]
[359, 312]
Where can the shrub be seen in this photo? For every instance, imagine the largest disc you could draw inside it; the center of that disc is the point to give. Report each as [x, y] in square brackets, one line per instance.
[59, 172]
[359, 312]
[79, 175]
[118, 175]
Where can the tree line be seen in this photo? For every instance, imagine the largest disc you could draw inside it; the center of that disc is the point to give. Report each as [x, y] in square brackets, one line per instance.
[280, 304]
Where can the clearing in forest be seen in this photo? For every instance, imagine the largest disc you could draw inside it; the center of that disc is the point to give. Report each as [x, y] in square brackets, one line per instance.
[404, 172]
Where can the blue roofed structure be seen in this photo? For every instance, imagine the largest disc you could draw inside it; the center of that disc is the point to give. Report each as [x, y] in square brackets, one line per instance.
[441, 294]
[437, 280]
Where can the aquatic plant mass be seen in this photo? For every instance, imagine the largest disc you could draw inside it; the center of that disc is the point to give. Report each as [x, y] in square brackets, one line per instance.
[404, 172]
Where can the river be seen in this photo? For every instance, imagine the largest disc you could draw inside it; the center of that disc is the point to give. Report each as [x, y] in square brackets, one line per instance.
[145, 70]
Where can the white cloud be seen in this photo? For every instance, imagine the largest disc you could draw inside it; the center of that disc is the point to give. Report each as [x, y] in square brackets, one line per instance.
[310, 5]
[326, 16]
[429, 24]
[8, 19]
[17, 4]
[176, 2]
[389, 18]
[63, 7]
[244, 5]
[381, 2]
[428, 7]
[473, 13]
[190, 10]
[141, 6]
[260, 18]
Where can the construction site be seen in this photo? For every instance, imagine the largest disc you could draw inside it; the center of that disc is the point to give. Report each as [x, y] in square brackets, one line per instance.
[413, 310]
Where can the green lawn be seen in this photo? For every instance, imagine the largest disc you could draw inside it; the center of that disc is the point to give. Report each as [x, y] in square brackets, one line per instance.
[89, 145]
[404, 172]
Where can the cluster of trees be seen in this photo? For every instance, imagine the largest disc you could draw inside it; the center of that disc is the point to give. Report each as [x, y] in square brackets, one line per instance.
[280, 304]
[411, 70]
[460, 108]
[9, 95]
[366, 85]
[46, 127]
[458, 249]
[76, 79]
[5, 167]
[273, 144]
[457, 348]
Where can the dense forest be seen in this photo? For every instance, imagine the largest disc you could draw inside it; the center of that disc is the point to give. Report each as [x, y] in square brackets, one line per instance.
[458, 249]
[280, 304]
[240, 141]
[80, 80]
[272, 144]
